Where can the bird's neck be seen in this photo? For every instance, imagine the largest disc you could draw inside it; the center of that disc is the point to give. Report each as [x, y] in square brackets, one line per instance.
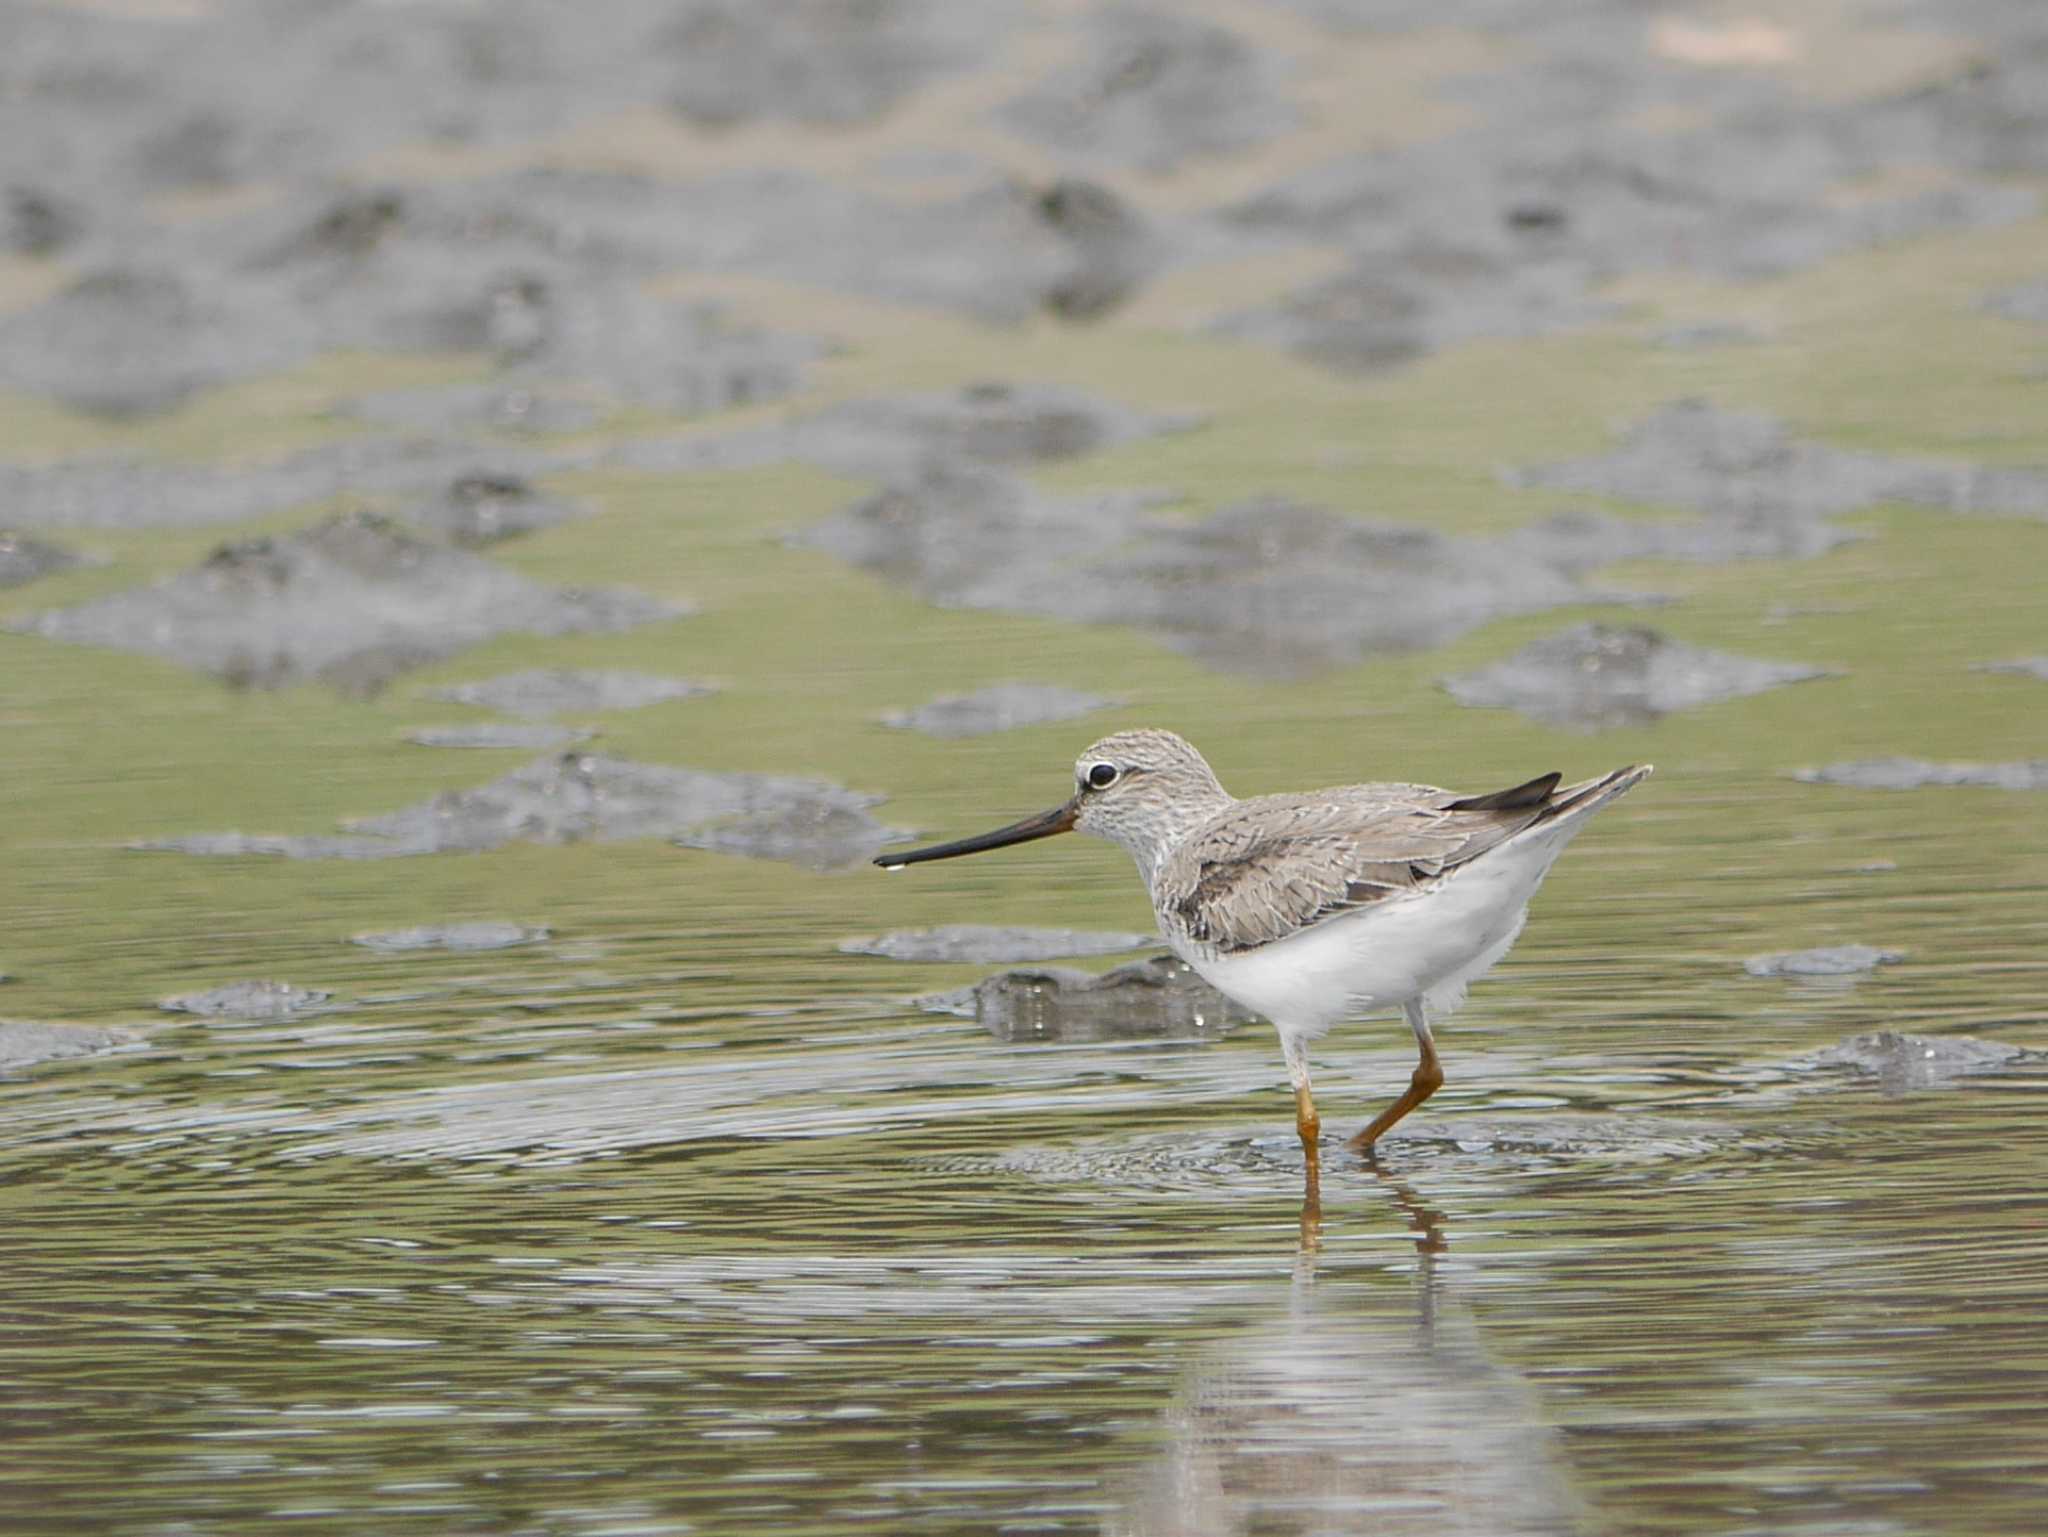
[1152, 845]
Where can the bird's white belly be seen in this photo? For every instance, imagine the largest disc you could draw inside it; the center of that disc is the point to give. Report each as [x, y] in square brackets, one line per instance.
[1375, 958]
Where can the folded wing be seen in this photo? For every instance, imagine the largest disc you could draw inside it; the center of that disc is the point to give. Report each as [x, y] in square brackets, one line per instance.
[1271, 867]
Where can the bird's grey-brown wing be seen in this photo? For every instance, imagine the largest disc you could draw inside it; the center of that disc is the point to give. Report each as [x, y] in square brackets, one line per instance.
[1274, 866]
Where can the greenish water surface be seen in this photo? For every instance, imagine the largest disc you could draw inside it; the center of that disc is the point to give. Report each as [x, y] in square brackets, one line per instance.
[686, 1221]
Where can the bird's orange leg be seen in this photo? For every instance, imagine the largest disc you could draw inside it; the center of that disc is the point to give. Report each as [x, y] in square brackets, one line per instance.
[1307, 1124]
[1428, 1078]
[1310, 1126]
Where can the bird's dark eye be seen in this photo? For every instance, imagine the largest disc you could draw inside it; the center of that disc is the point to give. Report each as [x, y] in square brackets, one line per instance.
[1102, 776]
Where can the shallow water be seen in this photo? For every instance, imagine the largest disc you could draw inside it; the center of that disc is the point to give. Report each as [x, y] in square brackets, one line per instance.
[681, 1217]
[690, 1225]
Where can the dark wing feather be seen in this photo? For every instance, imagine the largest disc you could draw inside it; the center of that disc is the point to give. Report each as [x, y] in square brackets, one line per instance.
[1521, 797]
[1271, 867]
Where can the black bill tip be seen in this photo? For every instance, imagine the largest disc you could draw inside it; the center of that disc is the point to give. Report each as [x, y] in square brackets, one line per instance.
[1058, 820]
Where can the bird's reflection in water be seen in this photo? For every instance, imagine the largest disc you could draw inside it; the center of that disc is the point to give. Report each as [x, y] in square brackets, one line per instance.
[1357, 1408]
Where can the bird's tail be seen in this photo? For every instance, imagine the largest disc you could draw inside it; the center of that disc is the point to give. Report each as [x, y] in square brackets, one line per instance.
[1590, 795]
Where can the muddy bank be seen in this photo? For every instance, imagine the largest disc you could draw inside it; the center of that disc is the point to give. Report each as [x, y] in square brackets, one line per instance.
[1508, 221]
[1593, 677]
[1153, 89]
[890, 437]
[2026, 302]
[2025, 667]
[1267, 588]
[470, 269]
[1692, 453]
[1159, 999]
[129, 493]
[1001, 250]
[1827, 961]
[821, 828]
[351, 602]
[969, 537]
[248, 1000]
[1514, 223]
[137, 340]
[500, 735]
[454, 936]
[1919, 774]
[23, 559]
[391, 269]
[24, 1042]
[241, 93]
[548, 691]
[483, 509]
[580, 797]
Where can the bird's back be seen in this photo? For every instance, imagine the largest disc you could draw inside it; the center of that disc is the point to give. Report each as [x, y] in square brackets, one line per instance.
[1261, 869]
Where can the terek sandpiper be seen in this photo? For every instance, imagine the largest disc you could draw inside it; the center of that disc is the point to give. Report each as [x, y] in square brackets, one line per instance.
[1320, 907]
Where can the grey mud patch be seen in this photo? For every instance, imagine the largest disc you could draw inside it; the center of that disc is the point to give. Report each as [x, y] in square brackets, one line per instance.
[993, 944]
[1274, 589]
[1827, 961]
[1376, 317]
[1003, 251]
[37, 222]
[351, 602]
[454, 936]
[555, 306]
[128, 341]
[482, 509]
[2025, 302]
[992, 422]
[1154, 90]
[542, 271]
[1511, 222]
[24, 1042]
[2023, 666]
[1692, 453]
[126, 493]
[248, 1000]
[537, 267]
[548, 691]
[217, 98]
[999, 707]
[823, 829]
[1269, 589]
[1514, 223]
[584, 797]
[1593, 677]
[816, 62]
[1919, 774]
[1509, 263]
[522, 736]
[687, 359]
[1903, 1063]
[1581, 539]
[967, 537]
[1159, 999]
[389, 270]
[23, 559]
